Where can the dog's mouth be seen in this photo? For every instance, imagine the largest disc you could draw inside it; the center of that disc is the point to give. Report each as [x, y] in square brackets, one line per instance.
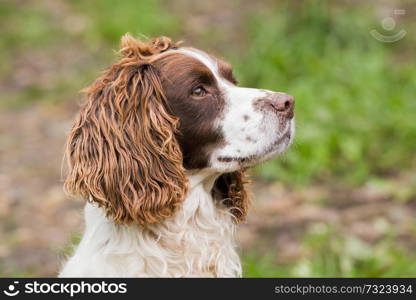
[278, 146]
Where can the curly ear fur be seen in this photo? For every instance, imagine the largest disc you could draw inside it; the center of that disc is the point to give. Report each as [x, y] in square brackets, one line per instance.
[229, 189]
[122, 151]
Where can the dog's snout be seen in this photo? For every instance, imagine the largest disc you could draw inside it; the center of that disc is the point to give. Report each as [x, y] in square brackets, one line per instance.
[282, 103]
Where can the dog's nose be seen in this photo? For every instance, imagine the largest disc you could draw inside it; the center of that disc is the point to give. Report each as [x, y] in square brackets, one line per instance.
[283, 104]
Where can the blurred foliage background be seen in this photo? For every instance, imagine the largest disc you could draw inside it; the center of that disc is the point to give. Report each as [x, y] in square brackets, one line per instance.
[340, 202]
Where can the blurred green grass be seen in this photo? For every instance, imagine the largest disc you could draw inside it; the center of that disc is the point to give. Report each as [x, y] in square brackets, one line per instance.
[331, 254]
[355, 97]
[52, 31]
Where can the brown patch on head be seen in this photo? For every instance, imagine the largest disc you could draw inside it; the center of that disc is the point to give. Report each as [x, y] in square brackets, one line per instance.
[246, 117]
[180, 75]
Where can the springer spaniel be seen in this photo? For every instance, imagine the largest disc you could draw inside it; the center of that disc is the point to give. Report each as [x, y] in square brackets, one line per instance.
[159, 152]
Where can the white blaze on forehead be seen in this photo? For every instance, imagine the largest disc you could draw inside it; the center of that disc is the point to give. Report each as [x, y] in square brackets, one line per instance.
[204, 58]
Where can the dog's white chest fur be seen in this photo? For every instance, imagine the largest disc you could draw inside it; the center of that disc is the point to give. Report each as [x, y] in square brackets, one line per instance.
[198, 241]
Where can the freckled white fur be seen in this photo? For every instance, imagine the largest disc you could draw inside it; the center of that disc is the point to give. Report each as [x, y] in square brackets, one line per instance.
[198, 241]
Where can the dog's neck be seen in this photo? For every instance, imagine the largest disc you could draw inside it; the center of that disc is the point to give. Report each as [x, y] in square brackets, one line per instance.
[204, 178]
[197, 241]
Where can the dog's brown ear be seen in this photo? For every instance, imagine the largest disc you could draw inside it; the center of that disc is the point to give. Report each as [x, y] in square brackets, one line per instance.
[122, 150]
[229, 189]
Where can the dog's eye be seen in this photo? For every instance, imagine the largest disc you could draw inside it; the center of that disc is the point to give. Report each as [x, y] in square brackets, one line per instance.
[199, 92]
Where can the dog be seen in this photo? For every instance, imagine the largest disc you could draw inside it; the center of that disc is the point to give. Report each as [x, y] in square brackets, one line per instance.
[159, 152]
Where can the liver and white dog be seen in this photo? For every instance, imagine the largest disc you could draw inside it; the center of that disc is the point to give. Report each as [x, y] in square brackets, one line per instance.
[158, 152]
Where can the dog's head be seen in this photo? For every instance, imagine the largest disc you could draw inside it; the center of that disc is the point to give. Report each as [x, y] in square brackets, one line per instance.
[162, 110]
